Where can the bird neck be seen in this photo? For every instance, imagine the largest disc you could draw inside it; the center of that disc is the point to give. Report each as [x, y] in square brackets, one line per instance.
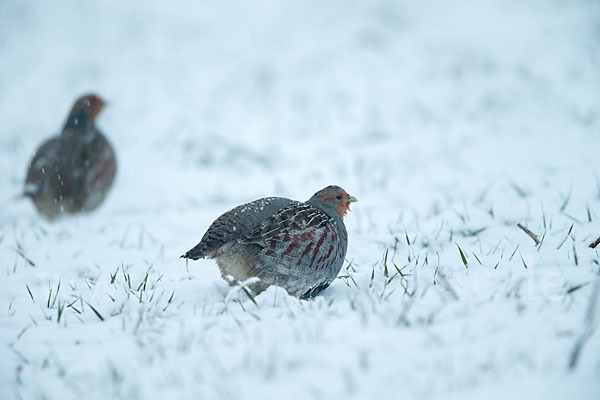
[79, 119]
[330, 211]
[326, 208]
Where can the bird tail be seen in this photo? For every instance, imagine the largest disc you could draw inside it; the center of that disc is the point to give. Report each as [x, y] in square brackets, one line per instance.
[30, 190]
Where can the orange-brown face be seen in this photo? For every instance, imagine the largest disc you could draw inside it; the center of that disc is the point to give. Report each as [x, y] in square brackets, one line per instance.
[91, 102]
[337, 197]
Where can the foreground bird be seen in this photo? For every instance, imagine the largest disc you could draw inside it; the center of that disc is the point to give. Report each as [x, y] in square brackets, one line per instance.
[73, 172]
[298, 246]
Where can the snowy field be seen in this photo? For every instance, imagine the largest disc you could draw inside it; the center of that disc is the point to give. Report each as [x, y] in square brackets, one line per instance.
[452, 122]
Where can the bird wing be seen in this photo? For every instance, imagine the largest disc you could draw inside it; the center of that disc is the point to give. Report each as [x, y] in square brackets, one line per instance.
[98, 159]
[47, 154]
[299, 236]
[236, 224]
[43, 166]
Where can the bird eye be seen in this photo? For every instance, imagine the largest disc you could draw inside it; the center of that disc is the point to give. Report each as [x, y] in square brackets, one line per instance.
[338, 197]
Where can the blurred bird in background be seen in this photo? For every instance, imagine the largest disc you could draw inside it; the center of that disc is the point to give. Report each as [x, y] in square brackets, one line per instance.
[74, 171]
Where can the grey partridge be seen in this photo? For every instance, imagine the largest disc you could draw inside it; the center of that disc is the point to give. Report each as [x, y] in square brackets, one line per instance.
[298, 246]
[74, 171]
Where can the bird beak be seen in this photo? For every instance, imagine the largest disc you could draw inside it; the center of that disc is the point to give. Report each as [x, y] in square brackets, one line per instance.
[352, 199]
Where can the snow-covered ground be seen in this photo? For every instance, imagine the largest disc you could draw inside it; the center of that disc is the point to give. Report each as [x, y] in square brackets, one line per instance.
[451, 121]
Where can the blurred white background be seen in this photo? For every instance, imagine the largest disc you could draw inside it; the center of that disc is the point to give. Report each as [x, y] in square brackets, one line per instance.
[443, 118]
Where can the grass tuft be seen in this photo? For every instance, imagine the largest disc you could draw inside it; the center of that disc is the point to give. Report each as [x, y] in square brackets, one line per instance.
[462, 256]
[20, 252]
[385, 264]
[250, 296]
[566, 201]
[56, 293]
[518, 189]
[61, 307]
[566, 237]
[71, 306]
[113, 277]
[30, 294]
[95, 311]
[513, 253]
[523, 260]
[577, 287]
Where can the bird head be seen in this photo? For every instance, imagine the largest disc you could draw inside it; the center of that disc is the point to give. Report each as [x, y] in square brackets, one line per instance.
[336, 198]
[89, 105]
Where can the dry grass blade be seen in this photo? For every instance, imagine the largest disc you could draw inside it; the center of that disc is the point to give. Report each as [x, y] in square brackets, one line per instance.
[595, 244]
[529, 233]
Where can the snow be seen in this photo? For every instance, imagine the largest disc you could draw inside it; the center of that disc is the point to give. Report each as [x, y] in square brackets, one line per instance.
[450, 121]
